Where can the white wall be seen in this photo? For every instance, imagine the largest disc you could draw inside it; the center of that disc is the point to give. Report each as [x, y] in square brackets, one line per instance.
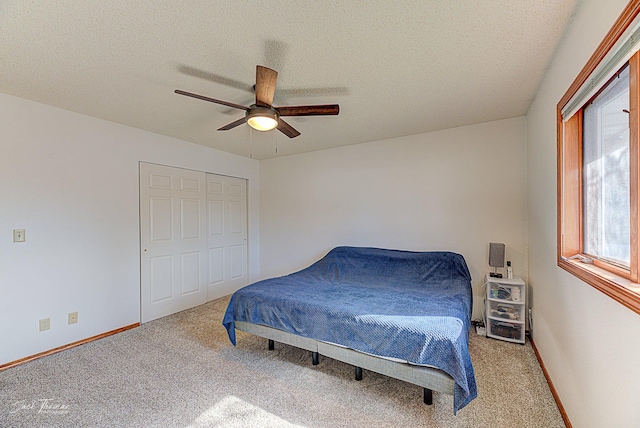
[72, 182]
[454, 190]
[589, 343]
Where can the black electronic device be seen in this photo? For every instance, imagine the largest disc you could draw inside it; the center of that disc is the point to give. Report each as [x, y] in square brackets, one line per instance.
[496, 258]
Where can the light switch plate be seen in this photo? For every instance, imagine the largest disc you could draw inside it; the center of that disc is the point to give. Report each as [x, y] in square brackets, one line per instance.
[45, 324]
[18, 235]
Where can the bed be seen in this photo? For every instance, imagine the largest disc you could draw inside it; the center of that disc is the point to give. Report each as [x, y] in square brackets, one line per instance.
[403, 314]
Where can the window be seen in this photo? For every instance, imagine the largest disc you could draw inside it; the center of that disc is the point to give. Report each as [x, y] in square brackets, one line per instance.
[599, 167]
[605, 173]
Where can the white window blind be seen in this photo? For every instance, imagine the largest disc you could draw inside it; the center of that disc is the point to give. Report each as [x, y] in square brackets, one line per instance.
[624, 48]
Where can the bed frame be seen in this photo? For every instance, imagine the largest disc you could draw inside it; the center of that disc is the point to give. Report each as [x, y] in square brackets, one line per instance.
[429, 378]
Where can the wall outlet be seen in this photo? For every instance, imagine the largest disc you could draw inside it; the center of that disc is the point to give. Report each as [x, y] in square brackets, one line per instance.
[73, 317]
[45, 324]
[18, 235]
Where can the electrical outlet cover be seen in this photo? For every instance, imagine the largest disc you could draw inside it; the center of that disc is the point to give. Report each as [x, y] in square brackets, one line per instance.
[73, 317]
[18, 235]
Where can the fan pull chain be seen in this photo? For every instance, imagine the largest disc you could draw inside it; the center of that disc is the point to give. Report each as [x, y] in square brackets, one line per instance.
[276, 137]
[250, 143]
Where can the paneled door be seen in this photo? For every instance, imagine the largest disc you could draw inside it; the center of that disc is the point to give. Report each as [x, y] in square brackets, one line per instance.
[173, 217]
[193, 238]
[226, 234]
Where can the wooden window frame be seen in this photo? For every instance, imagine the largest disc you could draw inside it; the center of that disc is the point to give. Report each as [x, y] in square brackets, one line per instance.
[620, 284]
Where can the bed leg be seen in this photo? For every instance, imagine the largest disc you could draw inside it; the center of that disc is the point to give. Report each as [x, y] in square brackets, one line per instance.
[428, 396]
[314, 358]
[358, 373]
[271, 345]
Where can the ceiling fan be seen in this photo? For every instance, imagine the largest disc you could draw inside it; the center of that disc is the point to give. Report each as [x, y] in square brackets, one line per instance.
[262, 115]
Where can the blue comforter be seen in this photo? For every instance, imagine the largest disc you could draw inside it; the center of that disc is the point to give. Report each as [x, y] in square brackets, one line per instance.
[414, 306]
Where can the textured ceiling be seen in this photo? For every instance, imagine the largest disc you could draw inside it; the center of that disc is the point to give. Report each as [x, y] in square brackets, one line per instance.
[396, 68]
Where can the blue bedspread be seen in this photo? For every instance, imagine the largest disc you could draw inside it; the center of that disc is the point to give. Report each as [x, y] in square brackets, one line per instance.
[414, 306]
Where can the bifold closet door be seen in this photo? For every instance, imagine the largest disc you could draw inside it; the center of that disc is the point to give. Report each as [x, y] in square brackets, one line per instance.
[226, 234]
[193, 238]
[172, 239]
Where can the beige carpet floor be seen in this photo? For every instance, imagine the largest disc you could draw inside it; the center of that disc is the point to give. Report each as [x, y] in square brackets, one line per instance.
[182, 371]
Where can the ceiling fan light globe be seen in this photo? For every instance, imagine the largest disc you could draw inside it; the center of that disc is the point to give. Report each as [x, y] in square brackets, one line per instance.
[262, 123]
[262, 118]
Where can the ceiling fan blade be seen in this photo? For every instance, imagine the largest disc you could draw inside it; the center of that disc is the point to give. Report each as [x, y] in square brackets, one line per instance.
[287, 129]
[265, 85]
[211, 100]
[317, 110]
[233, 124]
